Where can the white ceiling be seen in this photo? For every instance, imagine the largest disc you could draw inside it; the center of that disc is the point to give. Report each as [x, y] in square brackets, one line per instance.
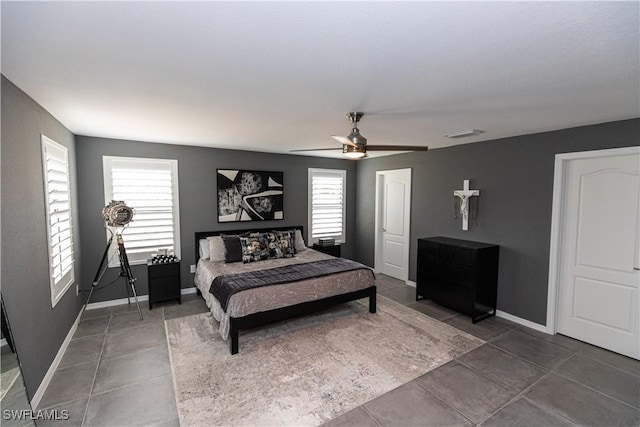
[277, 76]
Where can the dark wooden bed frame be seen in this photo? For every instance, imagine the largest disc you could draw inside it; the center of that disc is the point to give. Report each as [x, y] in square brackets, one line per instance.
[278, 314]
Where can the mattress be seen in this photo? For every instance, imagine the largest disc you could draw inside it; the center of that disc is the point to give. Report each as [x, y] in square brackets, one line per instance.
[275, 296]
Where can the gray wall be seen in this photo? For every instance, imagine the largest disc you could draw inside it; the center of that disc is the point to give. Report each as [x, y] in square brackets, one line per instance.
[197, 189]
[515, 179]
[38, 329]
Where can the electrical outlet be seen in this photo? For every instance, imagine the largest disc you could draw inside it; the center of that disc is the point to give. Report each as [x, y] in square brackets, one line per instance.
[192, 268]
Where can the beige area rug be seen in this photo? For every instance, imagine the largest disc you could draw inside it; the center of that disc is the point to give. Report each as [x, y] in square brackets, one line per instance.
[304, 371]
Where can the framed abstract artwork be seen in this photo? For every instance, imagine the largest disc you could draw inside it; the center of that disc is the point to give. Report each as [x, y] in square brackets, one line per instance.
[245, 195]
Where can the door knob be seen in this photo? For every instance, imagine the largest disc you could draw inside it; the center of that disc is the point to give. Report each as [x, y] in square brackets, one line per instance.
[636, 268]
[383, 229]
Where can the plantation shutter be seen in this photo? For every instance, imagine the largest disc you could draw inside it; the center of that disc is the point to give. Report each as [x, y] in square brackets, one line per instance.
[149, 187]
[327, 204]
[57, 186]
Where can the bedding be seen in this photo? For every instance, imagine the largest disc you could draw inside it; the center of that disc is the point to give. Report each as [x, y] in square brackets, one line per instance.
[262, 246]
[203, 249]
[223, 287]
[299, 241]
[232, 248]
[216, 248]
[278, 296]
[227, 247]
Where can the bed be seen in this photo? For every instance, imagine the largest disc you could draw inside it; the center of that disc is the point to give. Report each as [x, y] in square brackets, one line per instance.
[249, 308]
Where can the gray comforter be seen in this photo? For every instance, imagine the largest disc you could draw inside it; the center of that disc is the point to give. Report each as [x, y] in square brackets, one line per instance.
[276, 296]
[223, 287]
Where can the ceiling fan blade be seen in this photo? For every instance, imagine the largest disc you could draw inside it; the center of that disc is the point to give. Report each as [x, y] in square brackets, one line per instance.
[344, 140]
[396, 148]
[315, 149]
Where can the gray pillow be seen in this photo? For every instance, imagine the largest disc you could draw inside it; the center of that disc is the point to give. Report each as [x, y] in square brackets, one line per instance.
[232, 248]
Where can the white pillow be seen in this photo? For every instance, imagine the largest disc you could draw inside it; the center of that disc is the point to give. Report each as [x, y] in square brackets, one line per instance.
[205, 253]
[300, 246]
[216, 248]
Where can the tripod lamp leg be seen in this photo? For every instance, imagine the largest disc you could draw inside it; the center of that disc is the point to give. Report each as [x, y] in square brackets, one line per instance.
[135, 296]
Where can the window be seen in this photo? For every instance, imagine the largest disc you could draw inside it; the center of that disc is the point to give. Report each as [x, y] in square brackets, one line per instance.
[57, 191]
[327, 192]
[150, 188]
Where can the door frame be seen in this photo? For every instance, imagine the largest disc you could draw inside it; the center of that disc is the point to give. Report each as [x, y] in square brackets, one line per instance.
[559, 196]
[377, 263]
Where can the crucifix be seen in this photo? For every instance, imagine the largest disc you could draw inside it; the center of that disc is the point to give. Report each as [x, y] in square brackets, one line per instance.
[465, 194]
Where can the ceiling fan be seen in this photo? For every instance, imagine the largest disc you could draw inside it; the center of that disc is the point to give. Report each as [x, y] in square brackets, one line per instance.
[355, 145]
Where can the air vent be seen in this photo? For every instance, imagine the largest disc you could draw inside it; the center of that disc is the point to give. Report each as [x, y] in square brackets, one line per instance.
[464, 133]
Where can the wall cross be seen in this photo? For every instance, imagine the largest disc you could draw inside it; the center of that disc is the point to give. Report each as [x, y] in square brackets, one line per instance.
[465, 194]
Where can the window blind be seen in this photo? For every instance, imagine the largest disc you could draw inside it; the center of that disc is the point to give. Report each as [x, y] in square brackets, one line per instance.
[327, 204]
[149, 187]
[57, 188]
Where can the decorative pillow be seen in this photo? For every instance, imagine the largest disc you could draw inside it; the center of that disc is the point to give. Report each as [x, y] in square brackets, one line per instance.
[284, 245]
[216, 248]
[232, 248]
[254, 248]
[299, 241]
[204, 249]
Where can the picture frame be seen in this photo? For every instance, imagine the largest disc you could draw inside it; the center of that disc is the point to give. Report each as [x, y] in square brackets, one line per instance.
[248, 195]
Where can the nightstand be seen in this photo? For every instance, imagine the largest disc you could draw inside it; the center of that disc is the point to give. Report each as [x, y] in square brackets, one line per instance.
[164, 282]
[333, 250]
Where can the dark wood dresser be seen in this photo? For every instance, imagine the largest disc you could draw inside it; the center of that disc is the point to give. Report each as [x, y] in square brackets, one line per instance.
[459, 274]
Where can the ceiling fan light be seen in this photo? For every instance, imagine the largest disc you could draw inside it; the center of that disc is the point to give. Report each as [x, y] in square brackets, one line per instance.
[355, 154]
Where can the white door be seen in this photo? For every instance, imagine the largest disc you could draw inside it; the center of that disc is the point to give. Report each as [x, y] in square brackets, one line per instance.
[393, 213]
[599, 281]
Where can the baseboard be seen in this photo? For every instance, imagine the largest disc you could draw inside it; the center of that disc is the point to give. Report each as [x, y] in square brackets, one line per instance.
[407, 282]
[114, 302]
[63, 348]
[523, 322]
[507, 316]
[35, 401]
[120, 301]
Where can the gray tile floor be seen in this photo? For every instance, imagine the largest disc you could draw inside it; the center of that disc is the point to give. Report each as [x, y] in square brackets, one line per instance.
[116, 372]
[14, 395]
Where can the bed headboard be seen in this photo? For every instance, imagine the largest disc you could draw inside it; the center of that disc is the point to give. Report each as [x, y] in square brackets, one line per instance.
[205, 234]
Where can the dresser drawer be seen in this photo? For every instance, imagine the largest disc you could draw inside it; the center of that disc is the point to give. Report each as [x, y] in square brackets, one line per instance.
[165, 288]
[161, 270]
[446, 254]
